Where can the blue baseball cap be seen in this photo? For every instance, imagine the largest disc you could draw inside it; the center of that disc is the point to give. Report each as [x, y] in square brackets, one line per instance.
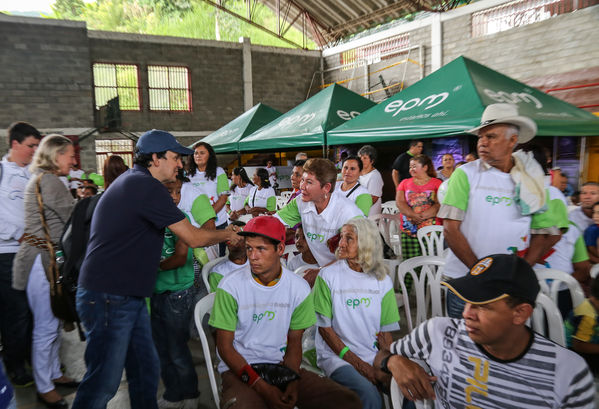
[155, 141]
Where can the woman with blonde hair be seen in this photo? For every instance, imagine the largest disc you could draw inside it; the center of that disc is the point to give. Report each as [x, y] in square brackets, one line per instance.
[356, 310]
[32, 267]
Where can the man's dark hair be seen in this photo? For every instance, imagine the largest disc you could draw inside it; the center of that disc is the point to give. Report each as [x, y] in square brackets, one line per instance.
[590, 184]
[513, 301]
[415, 142]
[144, 159]
[268, 239]
[18, 131]
[92, 188]
[210, 166]
[595, 287]
[299, 163]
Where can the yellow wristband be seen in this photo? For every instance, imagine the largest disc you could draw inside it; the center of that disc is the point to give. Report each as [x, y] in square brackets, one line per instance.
[343, 352]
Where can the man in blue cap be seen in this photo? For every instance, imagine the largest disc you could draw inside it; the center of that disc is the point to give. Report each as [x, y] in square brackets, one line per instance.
[120, 269]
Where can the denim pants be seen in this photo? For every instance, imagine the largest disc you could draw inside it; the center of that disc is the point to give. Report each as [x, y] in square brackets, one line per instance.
[349, 377]
[170, 317]
[119, 337]
[16, 321]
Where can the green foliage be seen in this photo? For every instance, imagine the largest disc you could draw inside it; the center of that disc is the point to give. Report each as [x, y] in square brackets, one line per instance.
[180, 18]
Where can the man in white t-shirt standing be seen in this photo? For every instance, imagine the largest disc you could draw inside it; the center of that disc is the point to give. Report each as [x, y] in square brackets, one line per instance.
[260, 313]
[482, 212]
[272, 174]
[490, 358]
[15, 330]
[582, 216]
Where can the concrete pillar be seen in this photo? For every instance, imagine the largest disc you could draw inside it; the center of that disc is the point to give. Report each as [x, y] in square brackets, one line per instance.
[248, 95]
[436, 42]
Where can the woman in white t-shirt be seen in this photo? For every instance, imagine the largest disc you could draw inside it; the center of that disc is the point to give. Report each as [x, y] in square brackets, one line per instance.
[205, 177]
[371, 178]
[350, 185]
[305, 258]
[356, 311]
[261, 198]
[239, 192]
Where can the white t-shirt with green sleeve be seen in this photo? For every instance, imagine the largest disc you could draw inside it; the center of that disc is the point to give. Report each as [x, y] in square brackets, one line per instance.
[482, 197]
[261, 316]
[198, 184]
[360, 196]
[265, 197]
[318, 228]
[238, 196]
[357, 307]
[220, 270]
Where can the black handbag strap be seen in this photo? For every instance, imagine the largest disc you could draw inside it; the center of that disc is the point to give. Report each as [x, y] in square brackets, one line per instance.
[352, 190]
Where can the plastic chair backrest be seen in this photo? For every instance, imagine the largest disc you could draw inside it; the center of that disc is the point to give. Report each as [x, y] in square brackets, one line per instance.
[286, 195]
[388, 225]
[430, 239]
[300, 271]
[281, 202]
[594, 270]
[203, 307]
[206, 270]
[426, 283]
[389, 207]
[558, 278]
[397, 398]
[546, 315]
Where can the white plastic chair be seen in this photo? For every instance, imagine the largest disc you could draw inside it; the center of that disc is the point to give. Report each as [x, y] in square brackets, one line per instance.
[430, 239]
[393, 266]
[388, 225]
[206, 270]
[203, 307]
[281, 202]
[286, 195]
[558, 278]
[397, 398]
[552, 326]
[426, 285]
[389, 207]
[594, 270]
[301, 271]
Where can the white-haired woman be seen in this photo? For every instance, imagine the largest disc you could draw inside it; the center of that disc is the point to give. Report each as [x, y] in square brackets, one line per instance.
[31, 269]
[356, 309]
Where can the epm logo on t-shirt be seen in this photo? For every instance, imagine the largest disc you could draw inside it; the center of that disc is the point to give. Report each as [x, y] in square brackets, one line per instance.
[266, 315]
[357, 302]
[496, 200]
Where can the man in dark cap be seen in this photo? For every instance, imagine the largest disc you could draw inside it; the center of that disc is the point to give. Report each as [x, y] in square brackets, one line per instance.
[490, 358]
[120, 268]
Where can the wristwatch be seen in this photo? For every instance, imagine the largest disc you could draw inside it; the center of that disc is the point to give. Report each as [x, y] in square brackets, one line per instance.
[384, 364]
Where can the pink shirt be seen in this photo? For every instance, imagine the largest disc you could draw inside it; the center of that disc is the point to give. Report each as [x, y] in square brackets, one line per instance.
[419, 198]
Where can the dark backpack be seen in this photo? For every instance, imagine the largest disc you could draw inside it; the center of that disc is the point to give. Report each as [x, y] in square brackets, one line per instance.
[73, 244]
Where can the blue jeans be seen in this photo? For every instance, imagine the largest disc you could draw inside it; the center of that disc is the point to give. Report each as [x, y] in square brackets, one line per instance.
[16, 322]
[455, 305]
[171, 315]
[118, 337]
[349, 377]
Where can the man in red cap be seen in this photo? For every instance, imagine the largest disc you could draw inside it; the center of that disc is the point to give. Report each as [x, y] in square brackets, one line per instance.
[260, 312]
[490, 358]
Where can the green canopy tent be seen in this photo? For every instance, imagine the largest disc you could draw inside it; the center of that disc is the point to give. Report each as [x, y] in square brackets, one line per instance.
[307, 124]
[451, 100]
[226, 139]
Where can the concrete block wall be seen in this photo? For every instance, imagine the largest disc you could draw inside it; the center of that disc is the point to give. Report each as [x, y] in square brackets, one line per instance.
[45, 76]
[560, 44]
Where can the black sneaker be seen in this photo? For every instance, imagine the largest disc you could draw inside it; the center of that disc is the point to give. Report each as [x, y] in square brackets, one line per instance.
[21, 379]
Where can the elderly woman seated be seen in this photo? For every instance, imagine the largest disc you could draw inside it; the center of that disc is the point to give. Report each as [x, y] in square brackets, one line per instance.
[356, 310]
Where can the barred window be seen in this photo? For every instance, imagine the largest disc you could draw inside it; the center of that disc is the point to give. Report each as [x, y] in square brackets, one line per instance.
[108, 147]
[169, 88]
[112, 80]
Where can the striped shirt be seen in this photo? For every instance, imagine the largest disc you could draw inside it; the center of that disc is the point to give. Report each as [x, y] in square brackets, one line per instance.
[545, 375]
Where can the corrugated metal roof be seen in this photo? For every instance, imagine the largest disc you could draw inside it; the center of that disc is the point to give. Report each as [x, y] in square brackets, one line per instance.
[332, 20]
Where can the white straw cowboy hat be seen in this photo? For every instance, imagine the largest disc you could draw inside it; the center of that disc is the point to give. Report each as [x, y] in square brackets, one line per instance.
[507, 114]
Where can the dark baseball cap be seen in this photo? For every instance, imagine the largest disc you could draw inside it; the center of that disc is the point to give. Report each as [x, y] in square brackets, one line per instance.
[495, 277]
[155, 141]
[265, 226]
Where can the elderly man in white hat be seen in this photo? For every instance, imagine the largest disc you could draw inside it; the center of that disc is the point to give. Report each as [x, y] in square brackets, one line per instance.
[498, 203]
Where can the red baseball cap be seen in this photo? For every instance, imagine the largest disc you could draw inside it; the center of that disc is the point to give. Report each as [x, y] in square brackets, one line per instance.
[266, 226]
